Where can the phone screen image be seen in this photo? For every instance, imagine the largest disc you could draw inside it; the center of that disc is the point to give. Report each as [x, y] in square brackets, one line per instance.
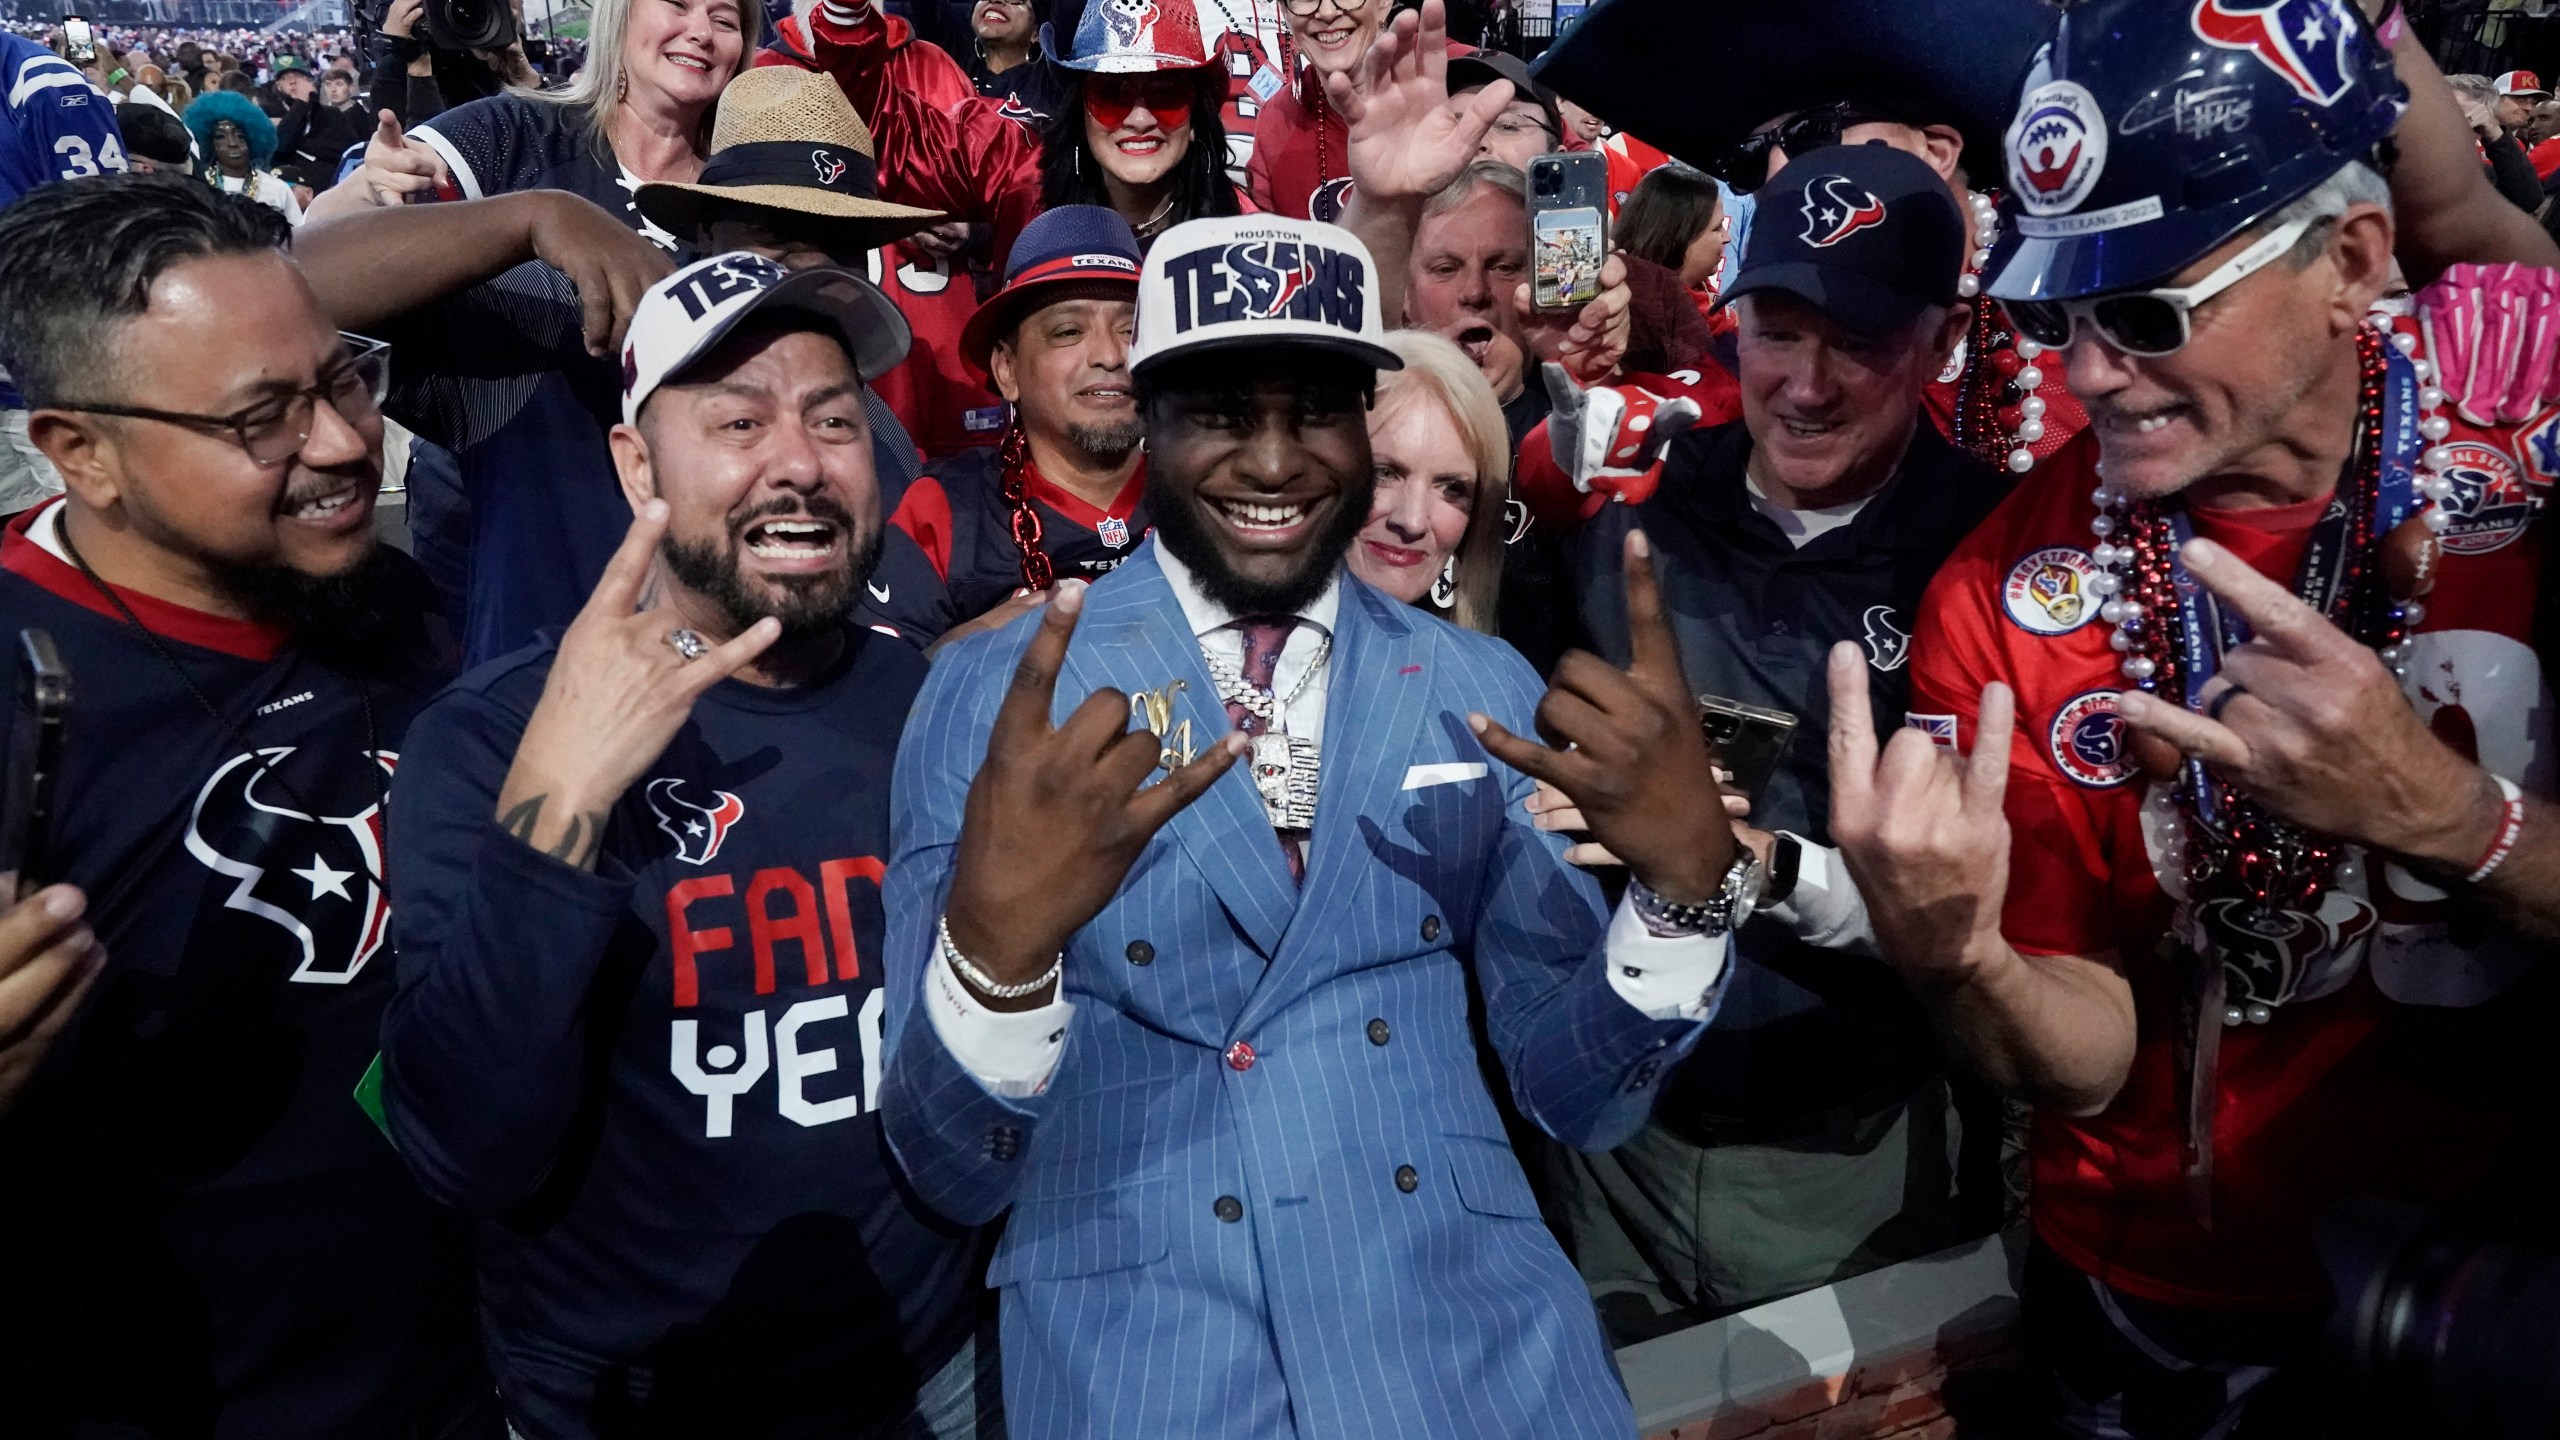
[1566, 256]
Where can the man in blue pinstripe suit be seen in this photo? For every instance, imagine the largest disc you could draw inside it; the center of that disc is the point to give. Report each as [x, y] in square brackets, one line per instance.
[1209, 1039]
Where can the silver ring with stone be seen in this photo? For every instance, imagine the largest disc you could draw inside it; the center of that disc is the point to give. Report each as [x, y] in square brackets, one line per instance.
[689, 643]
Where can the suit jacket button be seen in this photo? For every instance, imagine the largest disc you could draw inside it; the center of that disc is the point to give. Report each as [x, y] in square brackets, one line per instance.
[1240, 1057]
[1003, 1142]
[1408, 1179]
[1430, 928]
[1228, 1208]
[1141, 953]
[1378, 1032]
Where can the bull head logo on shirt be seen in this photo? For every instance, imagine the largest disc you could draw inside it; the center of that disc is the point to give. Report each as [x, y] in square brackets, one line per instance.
[332, 906]
[698, 830]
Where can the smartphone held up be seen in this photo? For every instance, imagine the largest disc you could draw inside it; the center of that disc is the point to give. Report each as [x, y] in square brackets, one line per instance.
[1568, 228]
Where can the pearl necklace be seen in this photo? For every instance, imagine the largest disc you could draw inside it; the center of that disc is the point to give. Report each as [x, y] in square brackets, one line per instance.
[1235, 689]
[2249, 854]
[2019, 444]
[1986, 233]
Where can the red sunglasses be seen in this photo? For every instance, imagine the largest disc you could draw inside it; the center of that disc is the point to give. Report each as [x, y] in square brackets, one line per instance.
[1165, 94]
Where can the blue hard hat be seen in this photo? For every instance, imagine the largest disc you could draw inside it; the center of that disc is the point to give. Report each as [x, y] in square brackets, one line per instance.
[2148, 133]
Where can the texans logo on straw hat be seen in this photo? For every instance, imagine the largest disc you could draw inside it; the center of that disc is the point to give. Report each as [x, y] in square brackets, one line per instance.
[786, 139]
[1259, 280]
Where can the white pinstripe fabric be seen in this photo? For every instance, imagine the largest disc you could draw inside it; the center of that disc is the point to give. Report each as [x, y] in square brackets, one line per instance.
[1339, 1305]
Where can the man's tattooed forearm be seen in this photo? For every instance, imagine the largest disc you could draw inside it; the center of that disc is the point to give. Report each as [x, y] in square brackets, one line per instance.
[578, 840]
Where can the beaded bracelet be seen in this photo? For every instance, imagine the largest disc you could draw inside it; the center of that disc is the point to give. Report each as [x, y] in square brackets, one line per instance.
[984, 983]
[2510, 828]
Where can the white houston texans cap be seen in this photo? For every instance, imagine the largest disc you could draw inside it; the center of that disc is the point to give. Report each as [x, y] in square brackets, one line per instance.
[1259, 280]
[685, 315]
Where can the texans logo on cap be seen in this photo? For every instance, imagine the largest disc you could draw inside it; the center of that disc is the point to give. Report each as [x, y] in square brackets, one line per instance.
[1259, 280]
[1265, 280]
[1834, 210]
[2304, 41]
[830, 166]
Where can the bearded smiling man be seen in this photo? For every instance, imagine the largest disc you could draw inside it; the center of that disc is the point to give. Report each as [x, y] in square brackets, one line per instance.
[1208, 1040]
[640, 1003]
[214, 1238]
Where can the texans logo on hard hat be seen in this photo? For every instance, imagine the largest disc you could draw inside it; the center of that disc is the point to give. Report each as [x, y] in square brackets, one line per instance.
[1834, 210]
[332, 907]
[699, 830]
[830, 166]
[2304, 41]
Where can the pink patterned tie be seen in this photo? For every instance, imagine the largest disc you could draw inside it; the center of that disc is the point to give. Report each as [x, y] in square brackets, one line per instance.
[1264, 639]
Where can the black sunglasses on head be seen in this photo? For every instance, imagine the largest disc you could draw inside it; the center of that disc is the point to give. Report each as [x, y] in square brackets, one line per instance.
[1745, 167]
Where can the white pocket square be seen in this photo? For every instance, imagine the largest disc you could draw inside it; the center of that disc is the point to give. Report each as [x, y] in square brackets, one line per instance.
[1446, 773]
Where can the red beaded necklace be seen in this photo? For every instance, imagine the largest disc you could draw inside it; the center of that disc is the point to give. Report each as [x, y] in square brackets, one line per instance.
[1013, 464]
[2237, 849]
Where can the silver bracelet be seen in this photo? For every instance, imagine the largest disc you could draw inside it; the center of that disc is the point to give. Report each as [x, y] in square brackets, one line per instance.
[984, 983]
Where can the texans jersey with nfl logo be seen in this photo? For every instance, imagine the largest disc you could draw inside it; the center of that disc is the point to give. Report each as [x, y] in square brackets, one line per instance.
[958, 514]
[2372, 1058]
[227, 1242]
[657, 1082]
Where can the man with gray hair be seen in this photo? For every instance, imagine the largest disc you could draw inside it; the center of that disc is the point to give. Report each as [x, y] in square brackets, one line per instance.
[2491, 118]
[2233, 998]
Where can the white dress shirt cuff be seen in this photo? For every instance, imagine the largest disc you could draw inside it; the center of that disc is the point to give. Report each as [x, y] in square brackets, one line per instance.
[1667, 979]
[1825, 908]
[1011, 1052]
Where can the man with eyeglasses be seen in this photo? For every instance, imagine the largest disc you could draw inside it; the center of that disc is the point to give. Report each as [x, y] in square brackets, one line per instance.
[2234, 1000]
[213, 1236]
[1528, 127]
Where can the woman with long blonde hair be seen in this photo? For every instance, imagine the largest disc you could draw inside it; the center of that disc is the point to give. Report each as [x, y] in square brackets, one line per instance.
[639, 111]
[1442, 457]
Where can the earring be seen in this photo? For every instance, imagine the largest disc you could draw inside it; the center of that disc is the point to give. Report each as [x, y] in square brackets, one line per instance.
[622, 88]
[1444, 591]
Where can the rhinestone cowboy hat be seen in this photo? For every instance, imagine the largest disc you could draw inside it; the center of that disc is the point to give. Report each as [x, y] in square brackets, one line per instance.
[1133, 37]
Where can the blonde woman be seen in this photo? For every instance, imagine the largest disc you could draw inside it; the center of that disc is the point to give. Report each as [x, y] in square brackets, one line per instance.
[640, 111]
[1442, 458]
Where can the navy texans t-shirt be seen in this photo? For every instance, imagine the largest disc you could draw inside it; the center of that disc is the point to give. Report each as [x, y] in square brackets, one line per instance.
[207, 1233]
[658, 1081]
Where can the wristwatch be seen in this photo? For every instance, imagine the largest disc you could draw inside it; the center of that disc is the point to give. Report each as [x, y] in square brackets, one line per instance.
[1786, 857]
[1723, 912]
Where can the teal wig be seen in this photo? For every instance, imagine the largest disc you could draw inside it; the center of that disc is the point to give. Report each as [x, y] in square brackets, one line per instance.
[215, 106]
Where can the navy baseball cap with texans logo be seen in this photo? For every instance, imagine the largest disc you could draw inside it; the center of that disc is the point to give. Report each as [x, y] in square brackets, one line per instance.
[683, 317]
[1085, 249]
[1259, 281]
[1867, 234]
